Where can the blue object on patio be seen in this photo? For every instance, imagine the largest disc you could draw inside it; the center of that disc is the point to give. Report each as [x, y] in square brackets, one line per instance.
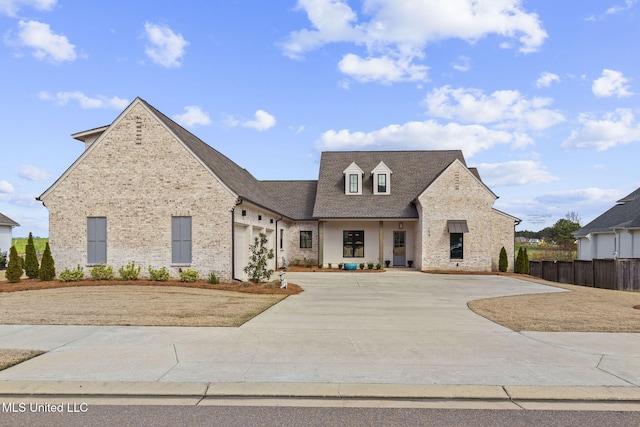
[350, 266]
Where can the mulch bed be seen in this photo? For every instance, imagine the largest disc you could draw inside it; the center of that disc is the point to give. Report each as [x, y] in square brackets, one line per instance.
[303, 269]
[272, 287]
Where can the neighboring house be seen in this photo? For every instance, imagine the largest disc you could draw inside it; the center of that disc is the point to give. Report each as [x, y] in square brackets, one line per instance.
[614, 234]
[6, 226]
[146, 189]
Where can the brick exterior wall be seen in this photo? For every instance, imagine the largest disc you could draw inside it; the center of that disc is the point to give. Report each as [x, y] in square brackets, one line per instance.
[293, 241]
[457, 195]
[139, 176]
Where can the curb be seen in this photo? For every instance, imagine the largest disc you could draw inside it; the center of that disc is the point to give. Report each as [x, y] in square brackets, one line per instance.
[521, 397]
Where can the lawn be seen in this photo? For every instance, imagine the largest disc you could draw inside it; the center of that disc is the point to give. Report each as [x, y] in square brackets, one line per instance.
[21, 242]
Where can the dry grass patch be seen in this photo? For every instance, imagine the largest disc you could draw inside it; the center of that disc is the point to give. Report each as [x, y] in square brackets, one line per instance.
[581, 309]
[11, 357]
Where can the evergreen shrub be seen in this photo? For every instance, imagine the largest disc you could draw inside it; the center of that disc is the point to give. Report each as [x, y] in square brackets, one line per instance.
[48, 267]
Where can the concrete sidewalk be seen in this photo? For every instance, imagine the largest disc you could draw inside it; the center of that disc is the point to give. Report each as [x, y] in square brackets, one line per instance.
[351, 337]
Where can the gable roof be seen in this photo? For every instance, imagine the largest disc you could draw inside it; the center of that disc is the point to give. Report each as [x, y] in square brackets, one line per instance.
[625, 214]
[413, 172]
[293, 199]
[5, 220]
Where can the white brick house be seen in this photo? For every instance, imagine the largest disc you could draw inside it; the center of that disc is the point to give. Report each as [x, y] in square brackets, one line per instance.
[146, 189]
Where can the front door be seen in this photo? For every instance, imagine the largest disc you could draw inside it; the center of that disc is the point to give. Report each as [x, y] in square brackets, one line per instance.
[399, 251]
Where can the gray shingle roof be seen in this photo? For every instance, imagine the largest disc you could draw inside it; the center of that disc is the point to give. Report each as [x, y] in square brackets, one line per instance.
[412, 173]
[5, 220]
[625, 214]
[294, 199]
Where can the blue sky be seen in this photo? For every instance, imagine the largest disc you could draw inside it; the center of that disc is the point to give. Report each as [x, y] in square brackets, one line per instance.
[541, 96]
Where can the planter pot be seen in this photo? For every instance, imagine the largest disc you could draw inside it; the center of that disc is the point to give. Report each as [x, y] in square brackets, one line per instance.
[350, 266]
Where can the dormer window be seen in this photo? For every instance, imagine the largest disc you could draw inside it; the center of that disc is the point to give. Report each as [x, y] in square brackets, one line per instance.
[353, 180]
[381, 179]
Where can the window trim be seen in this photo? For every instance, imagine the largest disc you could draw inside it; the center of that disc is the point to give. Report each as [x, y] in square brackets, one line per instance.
[308, 240]
[354, 184]
[348, 237]
[384, 186]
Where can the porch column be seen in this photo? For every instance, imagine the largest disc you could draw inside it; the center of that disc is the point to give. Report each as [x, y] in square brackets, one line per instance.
[381, 242]
[320, 242]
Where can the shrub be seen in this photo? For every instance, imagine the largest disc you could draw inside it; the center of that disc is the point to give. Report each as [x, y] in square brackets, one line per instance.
[213, 279]
[14, 269]
[309, 262]
[362, 266]
[329, 264]
[378, 266]
[319, 265]
[74, 275]
[161, 275]
[257, 268]
[31, 267]
[48, 267]
[3, 259]
[340, 266]
[525, 261]
[503, 264]
[102, 272]
[370, 265]
[520, 262]
[130, 272]
[189, 276]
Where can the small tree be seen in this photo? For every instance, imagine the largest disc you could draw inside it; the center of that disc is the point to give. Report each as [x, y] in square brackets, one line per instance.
[31, 267]
[519, 261]
[503, 264]
[257, 269]
[14, 269]
[48, 268]
[525, 261]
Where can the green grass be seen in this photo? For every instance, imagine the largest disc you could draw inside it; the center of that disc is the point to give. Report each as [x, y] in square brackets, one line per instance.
[547, 253]
[21, 242]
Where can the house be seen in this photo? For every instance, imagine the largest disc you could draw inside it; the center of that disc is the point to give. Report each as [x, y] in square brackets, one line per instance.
[6, 227]
[146, 189]
[614, 234]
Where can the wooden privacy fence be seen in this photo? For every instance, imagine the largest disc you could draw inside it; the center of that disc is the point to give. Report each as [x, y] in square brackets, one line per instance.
[621, 274]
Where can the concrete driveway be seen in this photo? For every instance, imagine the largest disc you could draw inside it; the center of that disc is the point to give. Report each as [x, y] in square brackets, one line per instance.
[398, 327]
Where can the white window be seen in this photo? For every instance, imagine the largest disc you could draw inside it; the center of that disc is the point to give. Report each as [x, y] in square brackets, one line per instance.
[381, 179]
[353, 180]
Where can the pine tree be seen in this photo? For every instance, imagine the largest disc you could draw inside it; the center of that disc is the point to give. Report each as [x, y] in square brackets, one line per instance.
[519, 262]
[525, 257]
[14, 269]
[47, 269]
[31, 267]
[503, 264]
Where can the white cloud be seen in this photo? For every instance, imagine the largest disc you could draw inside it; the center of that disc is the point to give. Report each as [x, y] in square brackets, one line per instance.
[613, 129]
[262, 122]
[192, 116]
[383, 69]
[11, 7]
[546, 78]
[612, 83]
[45, 44]
[507, 109]
[85, 102]
[583, 196]
[628, 4]
[462, 63]
[166, 47]
[519, 172]
[400, 30]
[427, 135]
[6, 187]
[32, 173]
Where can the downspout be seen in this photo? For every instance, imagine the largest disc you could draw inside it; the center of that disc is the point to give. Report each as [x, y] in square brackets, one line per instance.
[233, 240]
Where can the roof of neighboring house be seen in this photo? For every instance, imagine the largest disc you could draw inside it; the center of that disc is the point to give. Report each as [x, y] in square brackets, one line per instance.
[625, 214]
[5, 220]
[412, 173]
